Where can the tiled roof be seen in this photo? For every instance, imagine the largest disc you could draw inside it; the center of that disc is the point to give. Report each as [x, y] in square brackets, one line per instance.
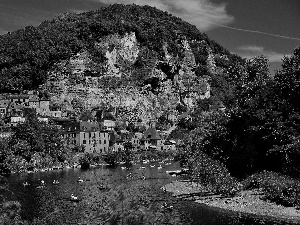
[114, 137]
[89, 126]
[107, 116]
[17, 96]
[152, 134]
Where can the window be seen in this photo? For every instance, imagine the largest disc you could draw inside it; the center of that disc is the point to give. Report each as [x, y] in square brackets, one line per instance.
[90, 135]
[83, 135]
[74, 142]
[104, 134]
[89, 141]
[84, 142]
[104, 142]
[99, 141]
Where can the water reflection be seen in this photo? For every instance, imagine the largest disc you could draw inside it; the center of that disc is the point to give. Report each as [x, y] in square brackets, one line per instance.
[40, 202]
[52, 204]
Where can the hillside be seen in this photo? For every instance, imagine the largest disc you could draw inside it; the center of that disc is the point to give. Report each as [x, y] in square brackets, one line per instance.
[141, 60]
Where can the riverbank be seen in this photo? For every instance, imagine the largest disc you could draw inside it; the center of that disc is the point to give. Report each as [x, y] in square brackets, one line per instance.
[247, 201]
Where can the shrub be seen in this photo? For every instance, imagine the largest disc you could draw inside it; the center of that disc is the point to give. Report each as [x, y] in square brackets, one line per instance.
[277, 188]
[9, 210]
[85, 160]
[213, 174]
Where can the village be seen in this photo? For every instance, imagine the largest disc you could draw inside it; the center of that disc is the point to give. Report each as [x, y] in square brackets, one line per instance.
[100, 134]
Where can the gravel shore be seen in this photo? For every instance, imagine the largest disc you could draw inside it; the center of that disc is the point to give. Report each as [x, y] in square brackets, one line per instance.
[249, 201]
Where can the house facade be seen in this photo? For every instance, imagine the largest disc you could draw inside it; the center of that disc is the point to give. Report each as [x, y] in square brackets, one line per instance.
[14, 120]
[87, 134]
[136, 140]
[151, 140]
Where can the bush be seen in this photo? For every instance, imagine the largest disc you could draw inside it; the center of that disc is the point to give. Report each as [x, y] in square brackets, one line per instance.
[85, 160]
[213, 174]
[9, 210]
[277, 188]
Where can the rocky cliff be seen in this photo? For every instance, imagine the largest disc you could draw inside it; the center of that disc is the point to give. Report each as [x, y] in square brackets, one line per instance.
[143, 62]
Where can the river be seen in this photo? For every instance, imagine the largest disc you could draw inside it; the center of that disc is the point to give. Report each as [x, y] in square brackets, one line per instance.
[112, 196]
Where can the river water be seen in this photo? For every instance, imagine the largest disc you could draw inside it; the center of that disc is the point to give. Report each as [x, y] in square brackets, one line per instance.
[113, 196]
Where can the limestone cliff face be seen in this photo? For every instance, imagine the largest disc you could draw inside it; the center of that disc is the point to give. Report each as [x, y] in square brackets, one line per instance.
[82, 83]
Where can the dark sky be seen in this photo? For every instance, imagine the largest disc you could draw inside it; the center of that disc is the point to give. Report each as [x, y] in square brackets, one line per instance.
[245, 27]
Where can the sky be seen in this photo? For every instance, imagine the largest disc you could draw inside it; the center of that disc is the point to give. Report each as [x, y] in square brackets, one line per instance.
[246, 27]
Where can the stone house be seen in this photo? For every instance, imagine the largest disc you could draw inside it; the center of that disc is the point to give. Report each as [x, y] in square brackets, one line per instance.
[3, 108]
[14, 120]
[116, 142]
[43, 107]
[151, 140]
[87, 134]
[107, 120]
[33, 101]
[21, 99]
[136, 140]
[170, 145]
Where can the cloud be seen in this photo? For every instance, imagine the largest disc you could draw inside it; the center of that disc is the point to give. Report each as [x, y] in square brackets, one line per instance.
[250, 51]
[202, 13]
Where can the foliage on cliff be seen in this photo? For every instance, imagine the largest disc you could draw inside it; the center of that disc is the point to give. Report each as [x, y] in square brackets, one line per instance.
[28, 54]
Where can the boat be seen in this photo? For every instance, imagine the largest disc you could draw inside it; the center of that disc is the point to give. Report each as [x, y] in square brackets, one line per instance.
[25, 184]
[55, 182]
[101, 187]
[123, 168]
[79, 180]
[74, 198]
[177, 172]
[160, 167]
[145, 161]
[152, 166]
[142, 168]
[167, 207]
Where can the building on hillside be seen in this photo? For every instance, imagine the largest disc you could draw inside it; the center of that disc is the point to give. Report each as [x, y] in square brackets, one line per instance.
[15, 120]
[43, 119]
[136, 140]
[151, 140]
[87, 134]
[116, 142]
[170, 145]
[5, 134]
[43, 107]
[107, 120]
[3, 110]
[56, 113]
[33, 101]
[21, 99]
